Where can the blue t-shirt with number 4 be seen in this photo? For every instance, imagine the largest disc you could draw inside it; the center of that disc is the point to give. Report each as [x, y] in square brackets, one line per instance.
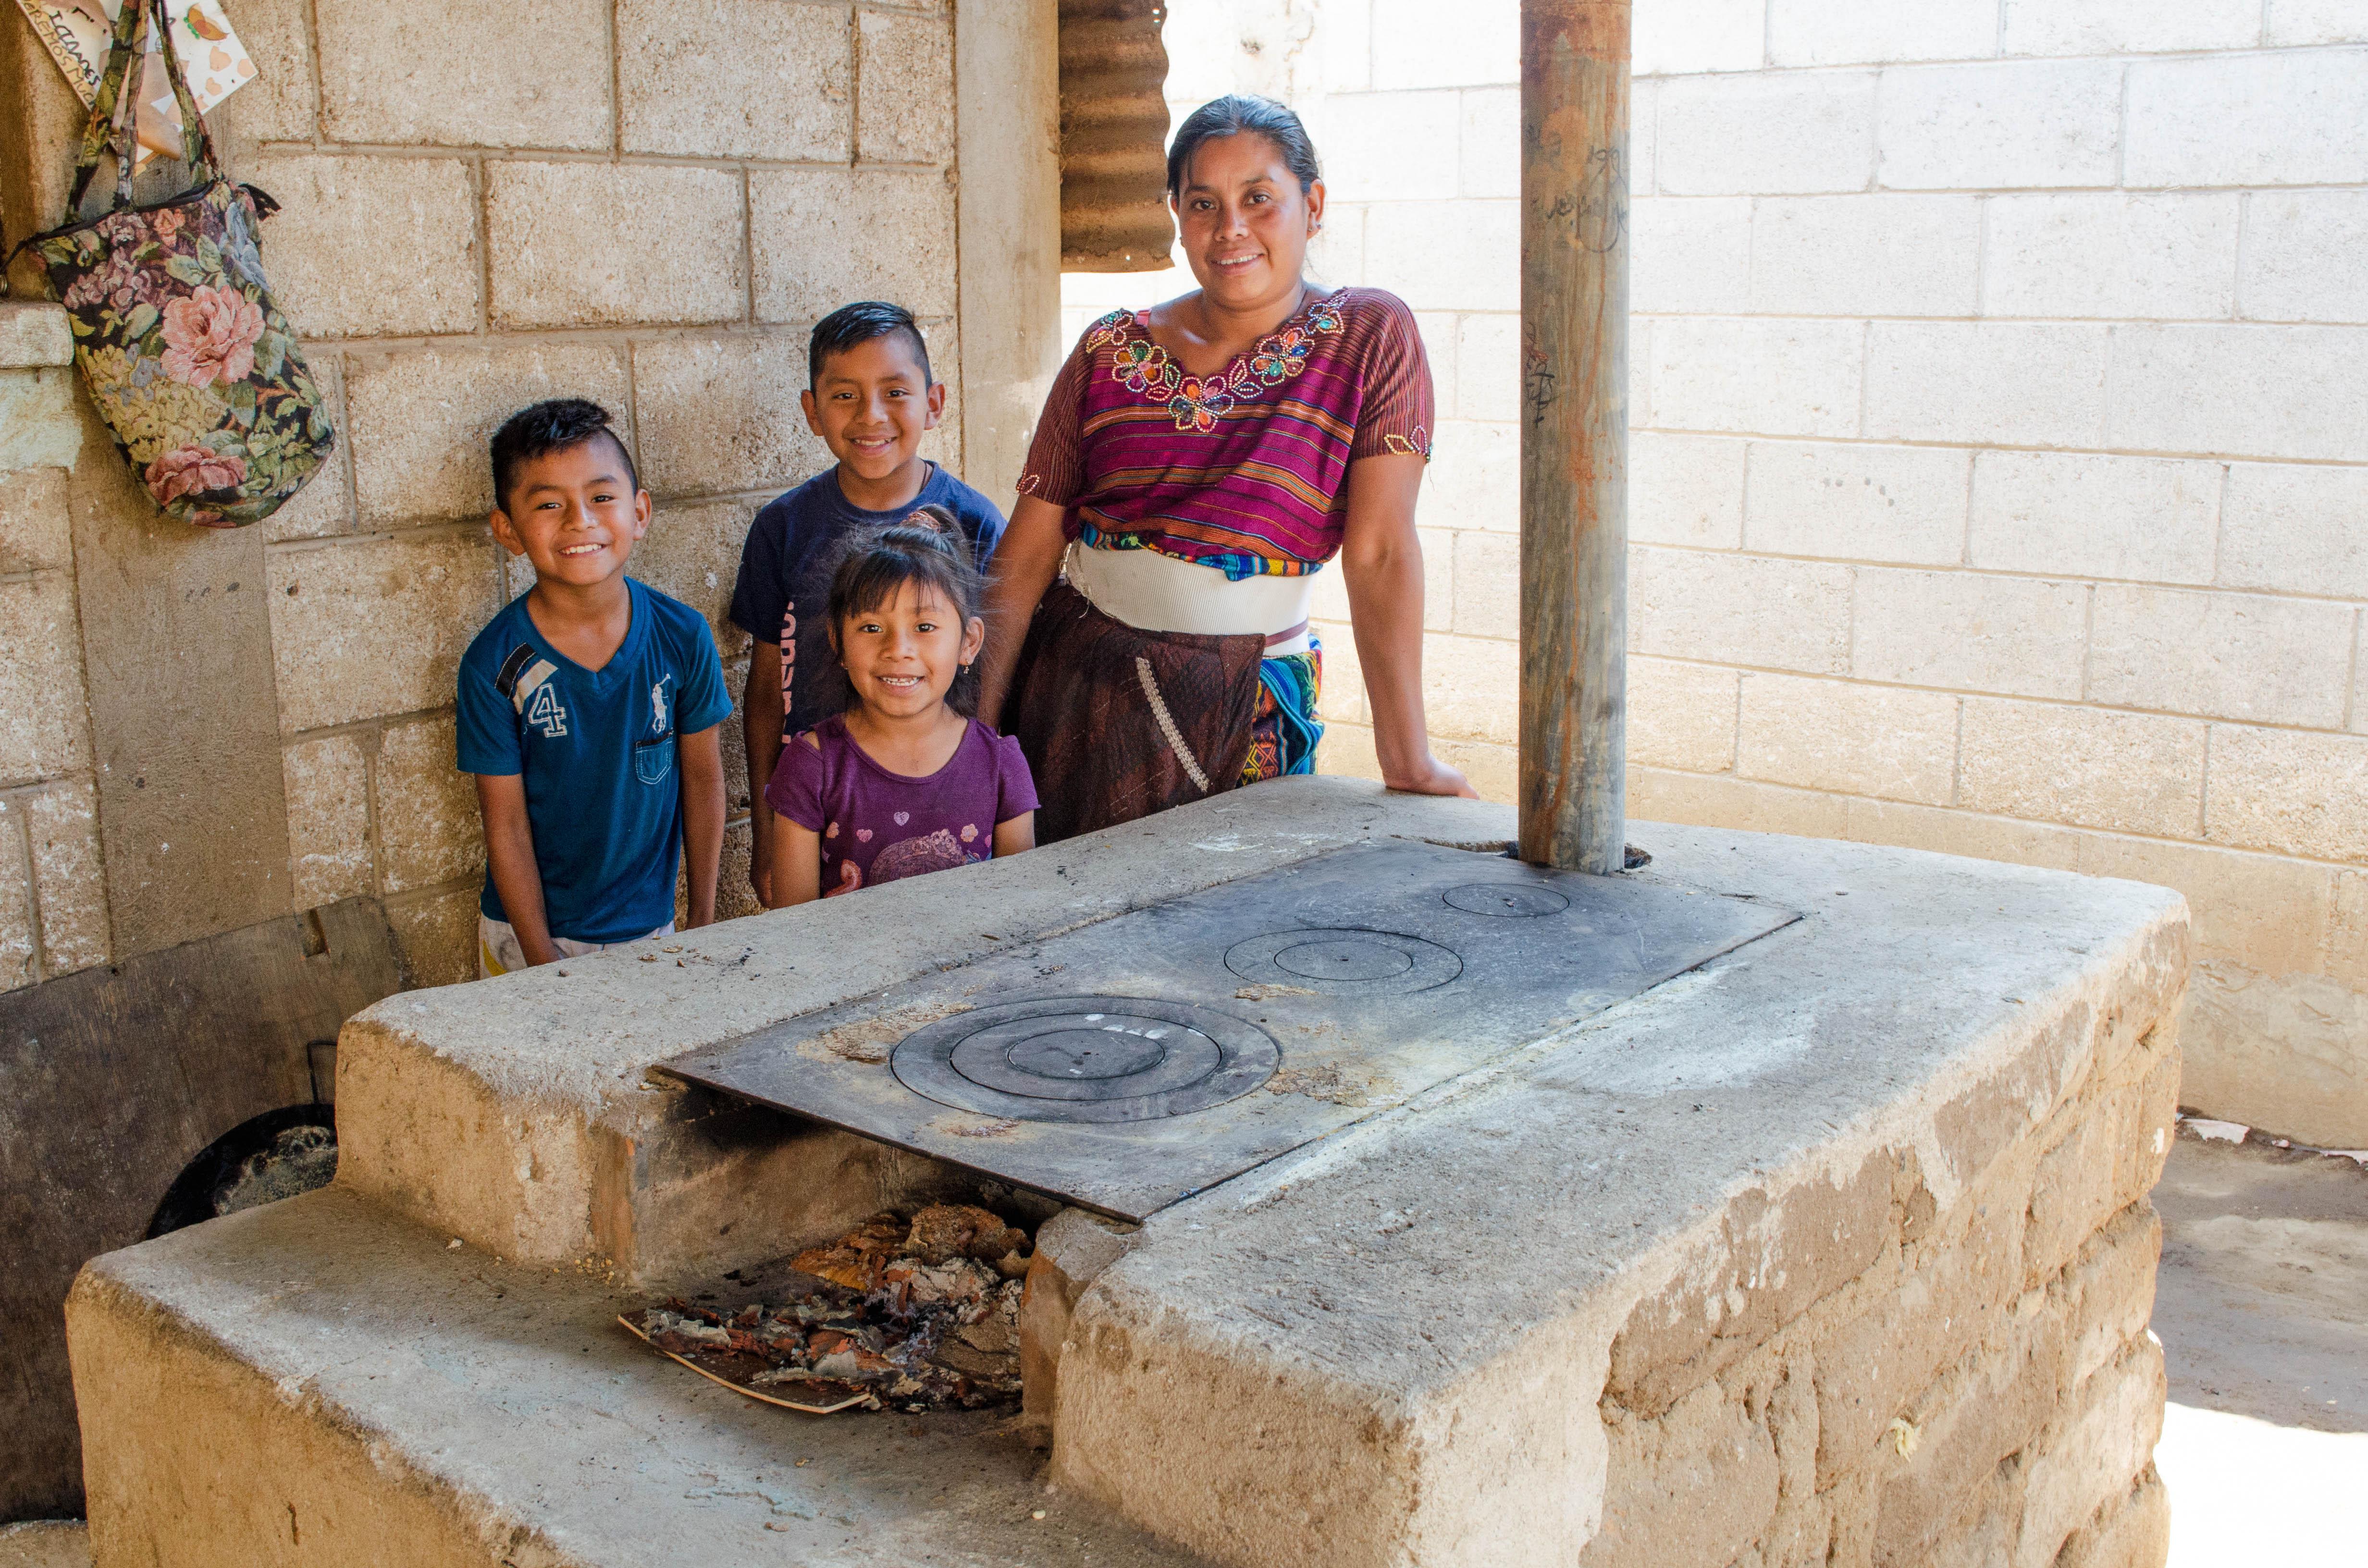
[597, 748]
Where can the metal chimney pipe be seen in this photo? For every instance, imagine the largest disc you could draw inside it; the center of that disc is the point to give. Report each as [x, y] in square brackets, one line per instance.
[1574, 432]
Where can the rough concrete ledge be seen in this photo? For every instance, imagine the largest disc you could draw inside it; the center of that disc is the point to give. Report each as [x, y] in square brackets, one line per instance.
[316, 1382]
[520, 1112]
[1666, 1284]
[34, 334]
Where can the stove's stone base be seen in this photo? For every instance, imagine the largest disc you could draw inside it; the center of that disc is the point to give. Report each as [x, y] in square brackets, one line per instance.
[1835, 1251]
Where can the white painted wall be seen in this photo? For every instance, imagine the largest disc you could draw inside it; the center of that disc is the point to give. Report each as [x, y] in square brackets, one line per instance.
[1999, 477]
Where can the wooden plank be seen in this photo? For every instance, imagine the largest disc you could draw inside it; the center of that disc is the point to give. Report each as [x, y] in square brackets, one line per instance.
[1575, 432]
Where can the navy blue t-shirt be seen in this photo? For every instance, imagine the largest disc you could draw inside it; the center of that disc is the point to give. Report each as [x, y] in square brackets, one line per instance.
[603, 796]
[793, 550]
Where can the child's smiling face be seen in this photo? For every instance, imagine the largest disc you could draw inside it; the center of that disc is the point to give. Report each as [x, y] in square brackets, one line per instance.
[871, 405]
[575, 512]
[901, 657]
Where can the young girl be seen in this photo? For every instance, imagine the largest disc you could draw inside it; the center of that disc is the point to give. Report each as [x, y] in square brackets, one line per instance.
[903, 782]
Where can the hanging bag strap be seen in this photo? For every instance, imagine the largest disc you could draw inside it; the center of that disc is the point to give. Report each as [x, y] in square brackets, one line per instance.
[115, 112]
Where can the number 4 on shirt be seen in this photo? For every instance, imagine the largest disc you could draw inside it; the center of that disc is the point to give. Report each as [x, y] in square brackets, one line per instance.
[546, 713]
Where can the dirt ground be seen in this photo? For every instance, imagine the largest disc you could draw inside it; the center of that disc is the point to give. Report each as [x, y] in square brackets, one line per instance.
[2262, 1311]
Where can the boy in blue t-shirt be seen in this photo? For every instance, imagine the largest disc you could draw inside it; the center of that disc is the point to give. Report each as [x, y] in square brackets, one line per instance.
[589, 709]
[871, 397]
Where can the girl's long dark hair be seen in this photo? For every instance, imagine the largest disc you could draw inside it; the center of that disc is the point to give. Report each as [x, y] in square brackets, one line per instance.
[926, 548]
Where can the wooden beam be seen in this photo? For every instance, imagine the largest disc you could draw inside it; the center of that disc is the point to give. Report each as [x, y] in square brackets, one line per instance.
[1573, 432]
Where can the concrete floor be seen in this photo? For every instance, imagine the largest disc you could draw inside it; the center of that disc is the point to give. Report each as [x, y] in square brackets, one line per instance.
[2263, 1310]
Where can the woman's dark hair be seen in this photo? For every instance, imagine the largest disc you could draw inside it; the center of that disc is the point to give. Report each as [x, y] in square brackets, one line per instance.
[550, 426]
[926, 548]
[1231, 115]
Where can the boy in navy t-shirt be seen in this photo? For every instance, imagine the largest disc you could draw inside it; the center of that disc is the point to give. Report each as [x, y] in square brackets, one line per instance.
[589, 709]
[869, 397]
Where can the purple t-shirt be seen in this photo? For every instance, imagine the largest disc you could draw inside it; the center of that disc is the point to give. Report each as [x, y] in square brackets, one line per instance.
[877, 826]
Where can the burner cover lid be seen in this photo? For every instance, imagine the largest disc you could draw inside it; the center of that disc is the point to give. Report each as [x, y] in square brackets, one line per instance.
[1086, 1059]
[1512, 900]
[1344, 962]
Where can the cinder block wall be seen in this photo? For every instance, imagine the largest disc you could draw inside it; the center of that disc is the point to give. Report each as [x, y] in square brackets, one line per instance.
[1999, 477]
[646, 204]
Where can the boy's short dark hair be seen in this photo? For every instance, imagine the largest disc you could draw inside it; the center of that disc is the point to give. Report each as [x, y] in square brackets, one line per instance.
[550, 426]
[861, 323]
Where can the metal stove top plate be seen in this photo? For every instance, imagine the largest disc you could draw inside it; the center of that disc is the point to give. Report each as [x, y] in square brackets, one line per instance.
[1137, 1061]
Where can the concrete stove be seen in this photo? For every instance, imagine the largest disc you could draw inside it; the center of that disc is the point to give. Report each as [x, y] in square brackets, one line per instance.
[1833, 1249]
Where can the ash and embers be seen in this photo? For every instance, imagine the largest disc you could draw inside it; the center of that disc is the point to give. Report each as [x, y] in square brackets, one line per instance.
[911, 1315]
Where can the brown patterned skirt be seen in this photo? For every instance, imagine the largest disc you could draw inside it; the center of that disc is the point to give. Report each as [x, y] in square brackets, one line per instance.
[1119, 722]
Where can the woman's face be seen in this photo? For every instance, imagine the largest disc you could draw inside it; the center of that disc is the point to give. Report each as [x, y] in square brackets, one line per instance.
[1244, 221]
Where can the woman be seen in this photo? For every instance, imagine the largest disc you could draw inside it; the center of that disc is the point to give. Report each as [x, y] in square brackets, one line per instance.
[1195, 464]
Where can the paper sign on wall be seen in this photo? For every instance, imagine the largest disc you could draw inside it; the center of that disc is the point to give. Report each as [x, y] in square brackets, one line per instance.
[78, 34]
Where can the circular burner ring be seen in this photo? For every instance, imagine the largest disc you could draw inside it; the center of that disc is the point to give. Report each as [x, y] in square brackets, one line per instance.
[1508, 901]
[1096, 1059]
[1344, 962]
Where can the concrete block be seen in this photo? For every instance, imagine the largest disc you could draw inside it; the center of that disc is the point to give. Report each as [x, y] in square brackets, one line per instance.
[2095, 1456]
[281, 101]
[2134, 1534]
[1480, 573]
[2126, 772]
[325, 505]
[1644, 135]
[2293, 22]
[1963, 833]
[328, 820]
[2108, 1293]
[61, 829]
[1739, 610]
[1979, 1412]
[2278, 392]
[1341, 696]
[2347, 954]
[692, 551]
[1685, 36]
[1698, 1485]
[2279, 1052]
[1918, 1320]
[823, 237]
[1439, 333]
[428, 819]
[40, 426]
[721, 413]
[1693, 254]
[2085, 515]
[18, 964]
[2019, 636]
[535, 74]
[1988, 384]
[421, 418]
[1757, 375]
[1856, 740]
[673, 252]
[2110, 254]
[1682, 715]
[44, 725]
[2297, 118]
[1865, 32]
[1475, 478]
[2264, 912]
[1459, 255]
[36, 528]
[2302, 255]
[2128, 27]
[376, 626]
[1866, 255]
[1410, 50]
[1996, 125]
[2245, 656]
[1858, 501]
[1488, 158]
[1336, 257]
[1686, 490]
[1488, 366]
[1402, 146]
[1771, 134]
[1720, 801]
[34, 334]
[2289, 791]
[697, 89]
[905, 113]
[1471, 688]
[373, 247]
[435, 934]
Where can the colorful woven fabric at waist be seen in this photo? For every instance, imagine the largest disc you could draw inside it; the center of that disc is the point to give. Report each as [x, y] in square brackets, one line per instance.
[1286, 730]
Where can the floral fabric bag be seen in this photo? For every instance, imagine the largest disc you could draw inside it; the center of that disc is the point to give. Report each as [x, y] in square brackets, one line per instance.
[190, 364]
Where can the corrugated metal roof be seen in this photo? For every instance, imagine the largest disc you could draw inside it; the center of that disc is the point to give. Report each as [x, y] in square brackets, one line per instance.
[1113, 137]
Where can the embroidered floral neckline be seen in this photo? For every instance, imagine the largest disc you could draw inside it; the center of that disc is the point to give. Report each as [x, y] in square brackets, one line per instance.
[1197, 402]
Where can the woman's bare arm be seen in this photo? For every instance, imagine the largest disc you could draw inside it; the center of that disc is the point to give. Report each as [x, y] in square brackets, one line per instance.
[510, 855]
[1381, 559]
[1024, 566]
